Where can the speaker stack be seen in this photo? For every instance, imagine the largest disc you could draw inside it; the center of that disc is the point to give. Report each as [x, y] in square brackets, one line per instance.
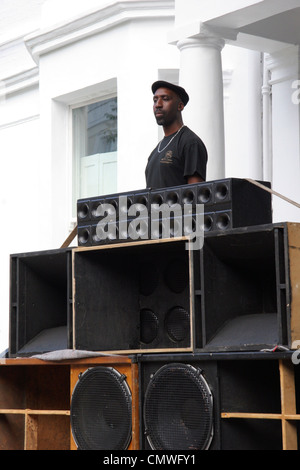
[208, 334]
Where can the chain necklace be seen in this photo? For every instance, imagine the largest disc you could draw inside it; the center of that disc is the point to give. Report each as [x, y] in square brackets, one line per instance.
[161, 150]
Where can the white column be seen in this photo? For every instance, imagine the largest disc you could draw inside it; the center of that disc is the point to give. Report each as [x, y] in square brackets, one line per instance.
[284, 68]
[201, 75]
[267, 123]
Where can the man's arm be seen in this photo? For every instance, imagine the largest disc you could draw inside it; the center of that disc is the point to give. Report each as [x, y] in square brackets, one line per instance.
[194, 179]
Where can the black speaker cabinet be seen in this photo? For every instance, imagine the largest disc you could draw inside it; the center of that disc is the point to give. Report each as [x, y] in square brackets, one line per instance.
[223, 401]
[91, 211]
[246, 203]
[134, 297]
[95, 208]
[104, 409]
[40, 302]
[228, 203]
[249, 288]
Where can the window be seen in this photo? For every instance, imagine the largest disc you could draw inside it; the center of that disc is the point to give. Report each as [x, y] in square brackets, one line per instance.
[95, 143]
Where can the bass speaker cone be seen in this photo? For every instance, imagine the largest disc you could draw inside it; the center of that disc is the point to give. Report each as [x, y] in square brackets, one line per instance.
[101, 410]
[178, 409]
[177, 324]
[149, 326]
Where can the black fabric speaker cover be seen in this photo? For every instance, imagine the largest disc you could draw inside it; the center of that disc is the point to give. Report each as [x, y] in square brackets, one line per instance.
[101, 410]
[178, 409]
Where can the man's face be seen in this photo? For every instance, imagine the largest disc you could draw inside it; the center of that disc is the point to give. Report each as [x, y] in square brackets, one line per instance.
[166, 106]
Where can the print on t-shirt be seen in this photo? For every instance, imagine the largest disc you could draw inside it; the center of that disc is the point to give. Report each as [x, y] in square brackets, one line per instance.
[167, 158]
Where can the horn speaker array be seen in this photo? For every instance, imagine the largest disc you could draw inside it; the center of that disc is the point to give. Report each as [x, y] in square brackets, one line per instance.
[224, 204]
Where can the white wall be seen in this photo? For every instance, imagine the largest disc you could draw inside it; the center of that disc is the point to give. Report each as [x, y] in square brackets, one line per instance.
[21, 186]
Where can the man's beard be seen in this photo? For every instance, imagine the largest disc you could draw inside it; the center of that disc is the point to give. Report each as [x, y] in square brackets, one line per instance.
[160, 120]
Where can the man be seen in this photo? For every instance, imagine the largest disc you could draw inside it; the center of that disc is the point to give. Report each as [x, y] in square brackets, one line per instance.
[181, 157]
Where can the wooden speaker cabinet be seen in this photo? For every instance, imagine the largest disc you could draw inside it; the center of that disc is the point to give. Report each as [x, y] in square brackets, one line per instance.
[222, 401]
[134, 297]
[34, 405]
[238, 293]
[105, 404]
[36, 397]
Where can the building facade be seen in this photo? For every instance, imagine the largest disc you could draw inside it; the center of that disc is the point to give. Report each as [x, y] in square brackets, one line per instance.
[76, 104]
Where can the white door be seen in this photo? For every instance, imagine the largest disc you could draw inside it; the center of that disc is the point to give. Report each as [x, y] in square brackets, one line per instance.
[98, 174]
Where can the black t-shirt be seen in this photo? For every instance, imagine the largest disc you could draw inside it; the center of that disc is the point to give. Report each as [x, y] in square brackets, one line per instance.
[179, 157]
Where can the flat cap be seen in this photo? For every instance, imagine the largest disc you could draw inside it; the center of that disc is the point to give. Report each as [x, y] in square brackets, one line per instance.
[176, 88]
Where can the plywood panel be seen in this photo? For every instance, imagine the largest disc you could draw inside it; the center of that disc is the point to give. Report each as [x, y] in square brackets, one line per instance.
[294, 268]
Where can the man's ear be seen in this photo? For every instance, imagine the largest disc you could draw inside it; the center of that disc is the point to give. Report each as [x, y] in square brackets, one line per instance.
[180, 106]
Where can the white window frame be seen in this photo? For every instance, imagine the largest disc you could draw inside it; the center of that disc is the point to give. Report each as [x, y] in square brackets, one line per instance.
[76, 170]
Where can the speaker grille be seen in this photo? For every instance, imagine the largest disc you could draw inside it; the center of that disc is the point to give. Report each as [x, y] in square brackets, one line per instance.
[178, 409]
[101, 410]
[177, 324]
[148, 326]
